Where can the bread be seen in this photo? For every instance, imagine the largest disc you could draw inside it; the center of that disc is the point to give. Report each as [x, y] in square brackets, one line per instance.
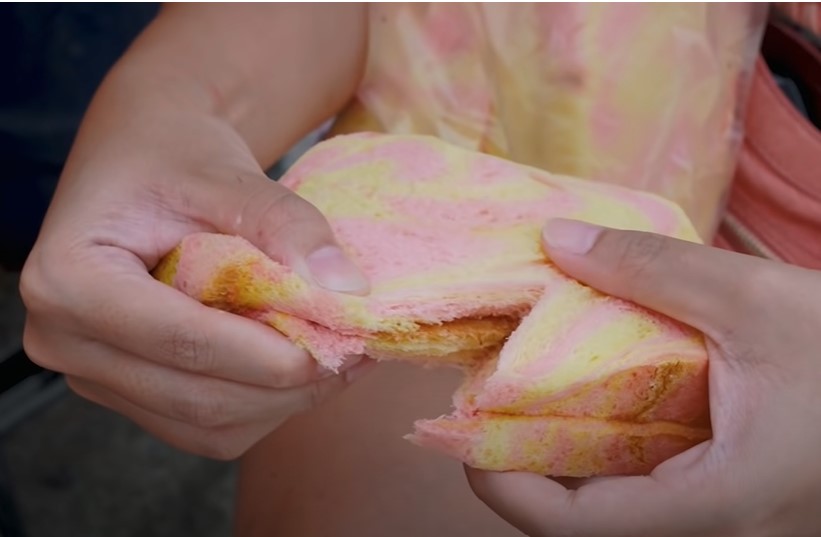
[450, 241]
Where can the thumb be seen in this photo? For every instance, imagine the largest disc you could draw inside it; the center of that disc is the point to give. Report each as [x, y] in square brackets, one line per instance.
[696, 284]
[288, 229]
[618, 506]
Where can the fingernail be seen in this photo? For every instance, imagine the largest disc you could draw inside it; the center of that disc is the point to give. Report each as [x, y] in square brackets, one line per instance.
[570, 236]
[360, 370]
[332, 269]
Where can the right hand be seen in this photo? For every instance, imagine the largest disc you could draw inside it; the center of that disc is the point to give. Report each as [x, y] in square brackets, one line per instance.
[758, 474]
[203, 380]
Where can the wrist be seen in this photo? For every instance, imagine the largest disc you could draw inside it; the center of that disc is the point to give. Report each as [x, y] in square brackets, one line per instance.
[141, 117]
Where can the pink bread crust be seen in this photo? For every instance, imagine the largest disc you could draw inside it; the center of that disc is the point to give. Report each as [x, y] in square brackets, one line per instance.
[228, 273]
[675, 391]
[556, 446]
[658, 373]
[450, 242]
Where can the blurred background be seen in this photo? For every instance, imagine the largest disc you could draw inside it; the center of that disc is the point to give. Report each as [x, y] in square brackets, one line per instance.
[67, 467]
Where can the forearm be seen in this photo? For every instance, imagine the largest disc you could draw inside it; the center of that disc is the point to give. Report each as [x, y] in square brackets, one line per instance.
[272, 72]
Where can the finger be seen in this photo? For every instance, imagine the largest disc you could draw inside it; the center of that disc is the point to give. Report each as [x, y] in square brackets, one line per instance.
[189, 398]
[285, 227]
[128, 309]
[696, 284]
[612, 507]
[223, 444]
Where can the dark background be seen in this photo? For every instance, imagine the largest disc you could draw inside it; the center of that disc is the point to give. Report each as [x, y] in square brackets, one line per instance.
[52, 57]
[69, 468]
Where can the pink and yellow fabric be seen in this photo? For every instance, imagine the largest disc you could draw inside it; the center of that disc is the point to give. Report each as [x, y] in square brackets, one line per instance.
[560, 379]
[648, 96]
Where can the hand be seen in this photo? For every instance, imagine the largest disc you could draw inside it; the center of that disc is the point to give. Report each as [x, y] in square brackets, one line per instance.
[203, 380]
[759, 474]
[153, 162]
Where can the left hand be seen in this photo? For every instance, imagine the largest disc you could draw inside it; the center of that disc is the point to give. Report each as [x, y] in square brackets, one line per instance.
[759, 474]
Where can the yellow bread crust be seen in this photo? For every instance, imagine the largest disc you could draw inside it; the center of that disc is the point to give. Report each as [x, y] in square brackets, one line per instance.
[442, 342]
[556, 446]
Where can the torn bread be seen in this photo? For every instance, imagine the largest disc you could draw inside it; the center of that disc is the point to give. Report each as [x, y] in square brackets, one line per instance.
[450, 242]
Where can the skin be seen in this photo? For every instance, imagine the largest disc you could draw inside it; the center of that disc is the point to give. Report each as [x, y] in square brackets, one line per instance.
[759, 475]
[176, 141]
[343, 469]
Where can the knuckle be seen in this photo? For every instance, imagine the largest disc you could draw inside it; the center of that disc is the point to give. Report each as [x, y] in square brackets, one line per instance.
[29, 288]
[283, 213]
[303, 399]
[762, 282]
[638, 253]
[188, 348]
[292, 212]
[765, 286]
[33, 288]
[202, 408]
[37, 349]
[289, 206]
[320, 391]
[293, 373]
[46, 291]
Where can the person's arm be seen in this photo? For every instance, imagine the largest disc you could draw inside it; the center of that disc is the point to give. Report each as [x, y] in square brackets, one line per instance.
[271, 71]
[175, 142]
